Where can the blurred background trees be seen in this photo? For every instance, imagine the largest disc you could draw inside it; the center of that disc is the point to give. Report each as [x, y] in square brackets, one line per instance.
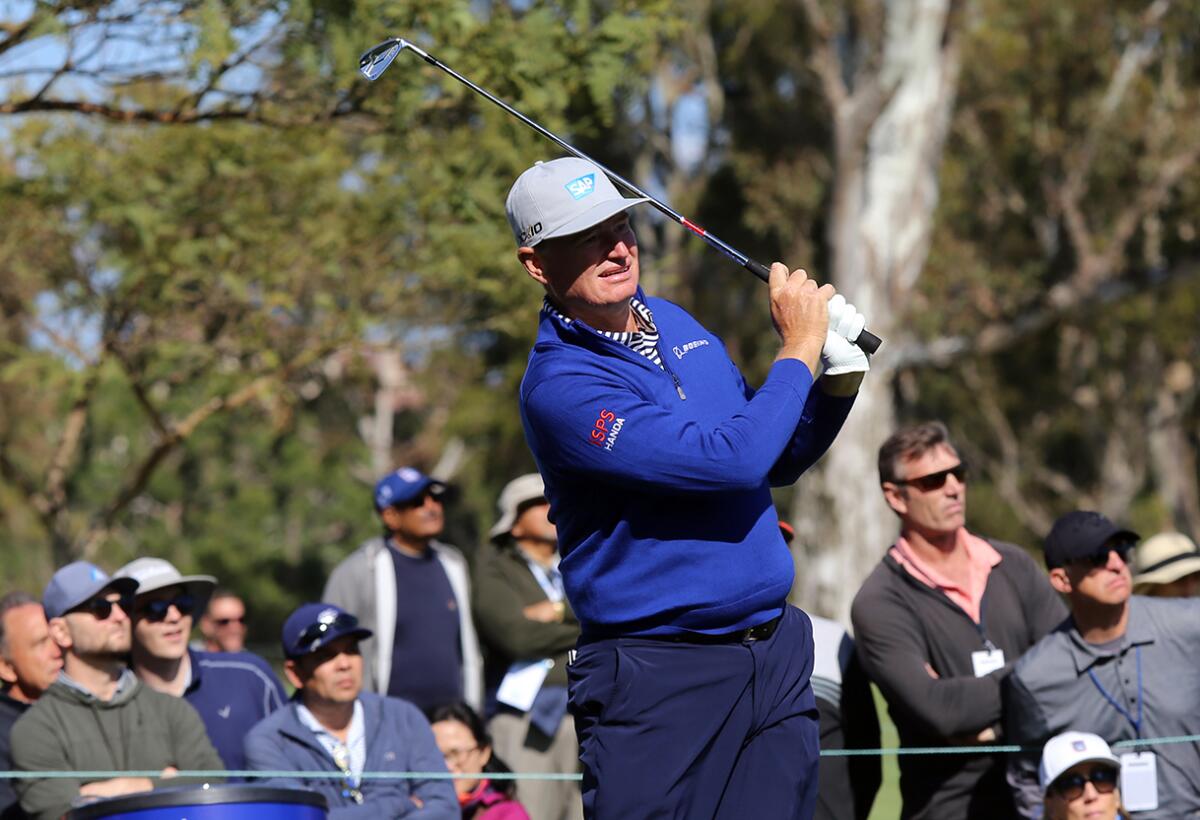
[239, 283]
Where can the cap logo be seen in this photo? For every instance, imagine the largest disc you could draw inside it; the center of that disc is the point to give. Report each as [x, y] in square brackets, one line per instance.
[1078, 745]
[408, 474]
[530, 232]
[327, 616]
[97, 575]
[580, 187]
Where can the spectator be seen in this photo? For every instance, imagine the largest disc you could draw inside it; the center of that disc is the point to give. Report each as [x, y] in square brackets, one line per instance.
[846, 786]
[96, 716]
[415, 592]
[1167, 565]
[1123, 666]
[223, 623]
[468, 750]
[333, 725]
[939, 623]
[523, 619]
[29, 663]
[230, 691]
[1078, 776]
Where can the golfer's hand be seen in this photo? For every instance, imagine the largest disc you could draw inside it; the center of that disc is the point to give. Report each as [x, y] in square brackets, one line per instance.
[800, 310]
[844, 362]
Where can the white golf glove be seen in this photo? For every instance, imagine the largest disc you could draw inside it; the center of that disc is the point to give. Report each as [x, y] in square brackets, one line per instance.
[845, 323]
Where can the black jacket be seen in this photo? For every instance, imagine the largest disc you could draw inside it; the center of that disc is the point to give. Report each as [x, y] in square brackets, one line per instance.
[10, 710]
[900, 624]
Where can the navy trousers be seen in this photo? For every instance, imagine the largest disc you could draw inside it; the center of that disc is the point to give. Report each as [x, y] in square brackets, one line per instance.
[683, 730]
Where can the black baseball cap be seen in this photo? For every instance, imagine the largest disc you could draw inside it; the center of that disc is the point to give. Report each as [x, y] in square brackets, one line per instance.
[1081, 534]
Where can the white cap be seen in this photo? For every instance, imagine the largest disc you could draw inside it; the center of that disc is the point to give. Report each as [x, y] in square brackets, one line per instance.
[1061, 752]
[516, 493]
[562, 197]
[155, 573]
[1164, 558]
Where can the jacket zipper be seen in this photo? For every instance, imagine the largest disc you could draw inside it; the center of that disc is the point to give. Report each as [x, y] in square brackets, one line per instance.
[630, 353]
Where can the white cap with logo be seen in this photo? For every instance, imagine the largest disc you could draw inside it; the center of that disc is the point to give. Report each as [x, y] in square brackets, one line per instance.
[562, 197]
[1061, 752]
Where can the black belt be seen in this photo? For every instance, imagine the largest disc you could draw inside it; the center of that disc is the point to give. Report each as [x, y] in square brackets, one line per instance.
[754, 633]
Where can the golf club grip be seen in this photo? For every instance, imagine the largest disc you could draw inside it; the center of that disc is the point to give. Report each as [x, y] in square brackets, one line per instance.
[867, 341]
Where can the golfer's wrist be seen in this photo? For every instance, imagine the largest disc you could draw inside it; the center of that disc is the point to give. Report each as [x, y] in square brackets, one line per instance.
[806, 350]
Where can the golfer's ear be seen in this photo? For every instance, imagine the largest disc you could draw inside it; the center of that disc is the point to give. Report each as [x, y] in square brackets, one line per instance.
[532, 262]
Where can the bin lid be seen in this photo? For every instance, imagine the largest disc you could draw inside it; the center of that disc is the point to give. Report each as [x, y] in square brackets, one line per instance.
[205, 795]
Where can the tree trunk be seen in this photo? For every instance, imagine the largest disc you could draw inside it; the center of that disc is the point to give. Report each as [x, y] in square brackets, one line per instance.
[889, 131]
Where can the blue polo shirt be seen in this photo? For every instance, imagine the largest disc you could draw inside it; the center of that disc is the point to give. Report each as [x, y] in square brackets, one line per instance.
[426, 648]
[232, 691]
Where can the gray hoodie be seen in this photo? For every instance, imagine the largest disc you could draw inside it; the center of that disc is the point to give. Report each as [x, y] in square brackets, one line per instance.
[69, 729]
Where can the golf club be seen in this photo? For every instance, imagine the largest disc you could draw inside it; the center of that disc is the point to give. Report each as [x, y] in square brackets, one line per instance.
[375, 61]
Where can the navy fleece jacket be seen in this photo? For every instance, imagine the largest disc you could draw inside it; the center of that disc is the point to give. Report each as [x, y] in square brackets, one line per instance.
[659, 481]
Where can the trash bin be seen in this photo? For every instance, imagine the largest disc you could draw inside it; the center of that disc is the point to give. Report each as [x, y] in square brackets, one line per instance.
[226, 802]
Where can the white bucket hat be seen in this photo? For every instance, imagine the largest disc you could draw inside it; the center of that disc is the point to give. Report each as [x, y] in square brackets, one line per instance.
[515, 495]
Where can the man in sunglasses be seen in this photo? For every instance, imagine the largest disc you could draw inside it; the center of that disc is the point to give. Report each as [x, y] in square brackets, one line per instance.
[939, 623]
[415, 592]
[332, 725]
[223, 624]
[1123, 666]
[230, 691]
[97, 716]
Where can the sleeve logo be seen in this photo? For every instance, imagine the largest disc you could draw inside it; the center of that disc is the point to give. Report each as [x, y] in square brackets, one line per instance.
[606, 429]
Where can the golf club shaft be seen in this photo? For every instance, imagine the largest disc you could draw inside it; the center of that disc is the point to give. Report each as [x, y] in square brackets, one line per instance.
[866, 340]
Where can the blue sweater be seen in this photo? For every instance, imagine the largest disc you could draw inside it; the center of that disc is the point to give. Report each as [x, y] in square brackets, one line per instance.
[659, 481]
[232, 691]
[398, 740]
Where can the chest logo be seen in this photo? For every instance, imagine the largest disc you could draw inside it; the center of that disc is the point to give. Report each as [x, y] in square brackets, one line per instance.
[682, 350]
[225, 710]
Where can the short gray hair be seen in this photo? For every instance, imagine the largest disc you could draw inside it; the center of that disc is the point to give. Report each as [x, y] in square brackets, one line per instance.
[11, 601]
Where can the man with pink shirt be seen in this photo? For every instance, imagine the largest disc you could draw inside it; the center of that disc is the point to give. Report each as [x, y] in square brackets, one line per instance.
[939, 623]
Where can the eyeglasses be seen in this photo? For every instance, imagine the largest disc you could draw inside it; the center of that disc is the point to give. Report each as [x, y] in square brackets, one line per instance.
[935, 481]
[309, 637]
[241, 619]
[101, 608]
[156, 611]
[1072, 786]
[1099, 559]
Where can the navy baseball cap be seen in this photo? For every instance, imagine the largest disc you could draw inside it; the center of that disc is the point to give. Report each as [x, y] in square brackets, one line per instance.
[1081, 534]
[403, 486]
[78, 583]
[315, 625]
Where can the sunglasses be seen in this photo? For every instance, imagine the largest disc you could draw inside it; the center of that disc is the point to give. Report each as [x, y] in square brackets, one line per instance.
[1099, 559]
[1072, 786]
[935, 481]
[241, 619]
[309, 637]
[101, 608]
[156, 611]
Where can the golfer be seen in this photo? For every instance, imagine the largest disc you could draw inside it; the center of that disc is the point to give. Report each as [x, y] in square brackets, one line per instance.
[690, 685]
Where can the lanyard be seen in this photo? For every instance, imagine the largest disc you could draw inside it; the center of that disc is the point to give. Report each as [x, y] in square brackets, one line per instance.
[549, 580]
[1136, 724]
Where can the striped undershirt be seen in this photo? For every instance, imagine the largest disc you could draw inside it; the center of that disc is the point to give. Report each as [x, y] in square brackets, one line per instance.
[643, 341]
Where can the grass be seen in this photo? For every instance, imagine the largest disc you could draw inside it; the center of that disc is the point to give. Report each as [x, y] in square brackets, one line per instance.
[887, 802]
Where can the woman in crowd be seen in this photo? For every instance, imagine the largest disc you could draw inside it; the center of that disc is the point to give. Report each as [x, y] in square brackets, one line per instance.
[1079, 776]
[468, 749]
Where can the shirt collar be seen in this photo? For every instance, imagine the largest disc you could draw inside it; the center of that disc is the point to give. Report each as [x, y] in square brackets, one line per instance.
[1138, 631]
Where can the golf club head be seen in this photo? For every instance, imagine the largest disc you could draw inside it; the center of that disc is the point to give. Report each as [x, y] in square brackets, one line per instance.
[375, 61]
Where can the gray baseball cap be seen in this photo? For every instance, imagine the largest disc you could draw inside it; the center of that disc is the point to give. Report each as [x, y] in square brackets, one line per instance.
[562, 197]
[78, 583]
